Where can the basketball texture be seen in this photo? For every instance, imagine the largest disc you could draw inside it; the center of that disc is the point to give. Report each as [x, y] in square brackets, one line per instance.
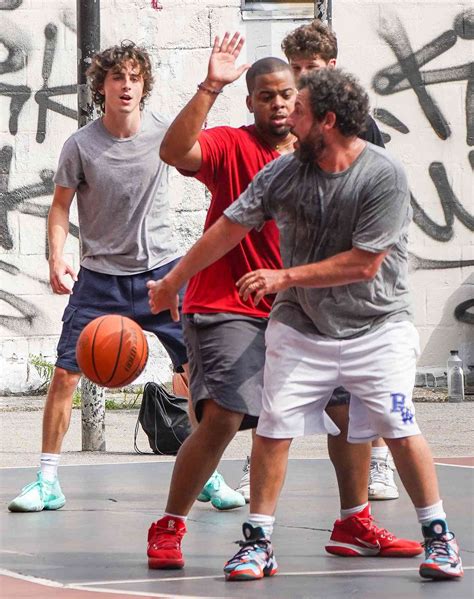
[112, 351]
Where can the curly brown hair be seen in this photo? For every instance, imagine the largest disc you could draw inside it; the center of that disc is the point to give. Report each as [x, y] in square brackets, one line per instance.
[114, 57]
[309, 40]
[334, 90]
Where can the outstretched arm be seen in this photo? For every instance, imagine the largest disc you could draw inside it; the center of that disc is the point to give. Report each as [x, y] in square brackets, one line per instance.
[215, 243]
[180, 145]
[342, 269]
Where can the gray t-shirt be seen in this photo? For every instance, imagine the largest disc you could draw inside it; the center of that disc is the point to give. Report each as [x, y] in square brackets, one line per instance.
[322, 214]
[122, 190]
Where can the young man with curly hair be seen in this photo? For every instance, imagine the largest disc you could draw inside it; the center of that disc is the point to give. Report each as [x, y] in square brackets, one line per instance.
[308, 48]
[342, 317]
[113, 167]
[314, 46]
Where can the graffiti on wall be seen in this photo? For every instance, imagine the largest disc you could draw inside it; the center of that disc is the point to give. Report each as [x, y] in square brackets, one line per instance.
[22, 199]
[407, 73]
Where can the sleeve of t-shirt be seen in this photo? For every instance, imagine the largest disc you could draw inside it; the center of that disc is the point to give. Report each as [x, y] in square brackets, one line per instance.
[372, 133]
[215, 144]
[384, 210]
[69, 172]
[251, 207]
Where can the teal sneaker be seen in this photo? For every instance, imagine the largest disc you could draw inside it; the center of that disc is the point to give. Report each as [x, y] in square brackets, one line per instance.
[38, 496]
[221, 496]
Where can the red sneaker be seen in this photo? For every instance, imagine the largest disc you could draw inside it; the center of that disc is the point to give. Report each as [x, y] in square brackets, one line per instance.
[357, 536]
[164, 544]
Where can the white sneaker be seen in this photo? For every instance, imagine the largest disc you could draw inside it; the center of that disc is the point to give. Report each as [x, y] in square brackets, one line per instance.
[244, 485]
[381, 482]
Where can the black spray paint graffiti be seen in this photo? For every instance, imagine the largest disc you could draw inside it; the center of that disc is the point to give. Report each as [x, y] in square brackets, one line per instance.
[406, 74]
[20, 94]
[18, 200]
[10, 4]
[19, 50]
[26, 312]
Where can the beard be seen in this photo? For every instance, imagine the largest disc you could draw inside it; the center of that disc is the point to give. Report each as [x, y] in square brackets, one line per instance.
[311, 148]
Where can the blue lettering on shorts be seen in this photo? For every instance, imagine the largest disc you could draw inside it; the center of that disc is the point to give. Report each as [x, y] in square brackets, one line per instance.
[398, 405]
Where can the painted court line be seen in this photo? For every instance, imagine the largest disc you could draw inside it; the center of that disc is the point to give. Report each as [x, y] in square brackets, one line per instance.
[79, 587]
[280, 574]
[171, 459]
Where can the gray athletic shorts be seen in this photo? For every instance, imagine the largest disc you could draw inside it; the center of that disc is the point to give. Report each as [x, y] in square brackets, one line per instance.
[226, 357]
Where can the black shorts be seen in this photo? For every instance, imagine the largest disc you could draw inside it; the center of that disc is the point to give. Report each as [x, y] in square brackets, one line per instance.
[96, 294]
[226, 359]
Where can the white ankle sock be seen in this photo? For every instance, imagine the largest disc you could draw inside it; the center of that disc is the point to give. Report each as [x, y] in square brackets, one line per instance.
[49, 463]
[167, 514]
[427, 514]
[264, 521]
[379, 453]
[353, 510]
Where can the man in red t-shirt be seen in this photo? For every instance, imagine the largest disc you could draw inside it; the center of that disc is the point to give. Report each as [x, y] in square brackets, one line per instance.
[224, 334]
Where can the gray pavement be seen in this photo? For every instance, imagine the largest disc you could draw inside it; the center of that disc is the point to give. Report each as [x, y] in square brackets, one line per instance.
[447, 426]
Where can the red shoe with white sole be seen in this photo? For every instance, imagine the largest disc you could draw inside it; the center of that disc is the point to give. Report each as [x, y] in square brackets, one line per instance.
[358, 536]
[164, 544]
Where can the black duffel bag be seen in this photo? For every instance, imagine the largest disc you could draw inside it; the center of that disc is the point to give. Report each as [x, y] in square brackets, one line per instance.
[164, 418]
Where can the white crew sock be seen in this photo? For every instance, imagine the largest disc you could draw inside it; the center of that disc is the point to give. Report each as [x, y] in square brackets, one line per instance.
[168, 515]
[353, 510]
[427, 514]
[49, 463]
[264, 521]
[379, 453]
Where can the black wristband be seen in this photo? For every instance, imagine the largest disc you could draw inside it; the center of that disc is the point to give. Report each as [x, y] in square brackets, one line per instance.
[208, 90]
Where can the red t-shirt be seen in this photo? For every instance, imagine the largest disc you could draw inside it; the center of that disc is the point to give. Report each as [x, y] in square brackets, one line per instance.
[230, 160]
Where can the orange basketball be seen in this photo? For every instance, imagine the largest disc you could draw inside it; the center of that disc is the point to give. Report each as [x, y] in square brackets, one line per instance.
[112, 351]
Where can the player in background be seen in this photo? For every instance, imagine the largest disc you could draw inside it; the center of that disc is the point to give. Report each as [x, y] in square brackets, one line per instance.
[122, 188]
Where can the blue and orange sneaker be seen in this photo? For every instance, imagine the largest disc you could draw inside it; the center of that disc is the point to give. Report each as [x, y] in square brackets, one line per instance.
[255, 558]
[442, 559]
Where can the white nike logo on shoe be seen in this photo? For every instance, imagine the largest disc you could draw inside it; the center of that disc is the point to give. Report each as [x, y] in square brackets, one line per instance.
[374, 548]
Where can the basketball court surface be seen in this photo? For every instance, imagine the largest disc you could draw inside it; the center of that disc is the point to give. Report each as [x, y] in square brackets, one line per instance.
[96, 545]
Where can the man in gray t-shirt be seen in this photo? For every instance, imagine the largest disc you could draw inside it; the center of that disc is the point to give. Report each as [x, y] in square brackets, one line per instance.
[112, 166]
[322, 214]
[342, 317]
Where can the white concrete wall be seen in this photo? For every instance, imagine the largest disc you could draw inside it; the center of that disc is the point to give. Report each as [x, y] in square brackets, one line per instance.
[179, 37]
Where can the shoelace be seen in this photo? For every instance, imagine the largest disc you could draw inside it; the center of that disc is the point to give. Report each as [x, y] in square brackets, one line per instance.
[36, 483]
[246, 547]
[379, 471]
[439, 546]
[161, 539]
[382, 533]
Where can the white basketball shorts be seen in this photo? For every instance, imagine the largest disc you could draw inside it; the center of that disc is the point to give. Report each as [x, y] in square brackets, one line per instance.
[301, 372]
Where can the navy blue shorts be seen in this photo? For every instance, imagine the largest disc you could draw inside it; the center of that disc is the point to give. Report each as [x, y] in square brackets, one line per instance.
[96, 294]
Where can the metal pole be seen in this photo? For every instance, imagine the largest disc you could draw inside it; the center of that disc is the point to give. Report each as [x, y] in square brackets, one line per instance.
[88, 44]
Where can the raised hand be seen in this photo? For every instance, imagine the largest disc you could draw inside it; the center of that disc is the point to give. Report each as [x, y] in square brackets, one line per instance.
[58, 270]
[222, 68]
[163, 296]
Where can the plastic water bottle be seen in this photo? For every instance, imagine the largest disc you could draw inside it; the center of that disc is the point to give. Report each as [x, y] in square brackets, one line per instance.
[455, 377]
